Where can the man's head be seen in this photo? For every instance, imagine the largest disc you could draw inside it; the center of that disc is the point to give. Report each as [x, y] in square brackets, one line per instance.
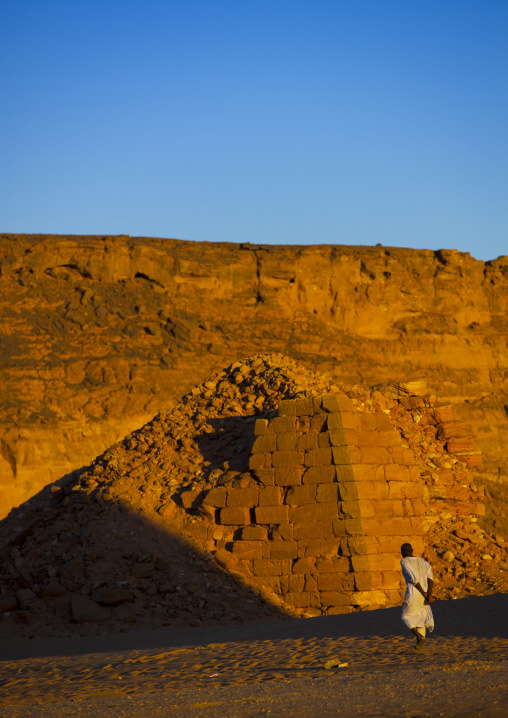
[406, 550]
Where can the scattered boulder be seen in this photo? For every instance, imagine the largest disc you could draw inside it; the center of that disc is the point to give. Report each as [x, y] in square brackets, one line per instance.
[85, 610]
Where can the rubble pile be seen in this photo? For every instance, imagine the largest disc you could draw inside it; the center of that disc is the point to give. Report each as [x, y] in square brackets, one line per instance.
[138, 536]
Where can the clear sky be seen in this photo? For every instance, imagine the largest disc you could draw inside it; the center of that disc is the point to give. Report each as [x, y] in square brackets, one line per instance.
[264, 121]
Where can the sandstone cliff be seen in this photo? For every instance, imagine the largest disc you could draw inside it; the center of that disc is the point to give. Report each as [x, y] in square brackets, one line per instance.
[100, 333]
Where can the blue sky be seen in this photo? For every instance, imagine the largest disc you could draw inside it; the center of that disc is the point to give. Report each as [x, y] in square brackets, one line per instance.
[281, 121]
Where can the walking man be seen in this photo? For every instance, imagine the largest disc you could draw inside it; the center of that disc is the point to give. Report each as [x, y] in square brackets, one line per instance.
[416, 611]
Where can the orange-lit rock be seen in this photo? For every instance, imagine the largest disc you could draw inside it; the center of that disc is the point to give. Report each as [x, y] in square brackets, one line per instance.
[100, 333]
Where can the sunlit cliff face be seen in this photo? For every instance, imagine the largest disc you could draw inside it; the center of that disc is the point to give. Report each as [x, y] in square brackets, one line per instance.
[101, 333]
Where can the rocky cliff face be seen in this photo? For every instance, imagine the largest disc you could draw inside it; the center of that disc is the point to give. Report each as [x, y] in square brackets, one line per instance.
[101, 333]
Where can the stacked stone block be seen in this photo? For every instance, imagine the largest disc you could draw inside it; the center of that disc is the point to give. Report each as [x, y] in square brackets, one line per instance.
[337, 494]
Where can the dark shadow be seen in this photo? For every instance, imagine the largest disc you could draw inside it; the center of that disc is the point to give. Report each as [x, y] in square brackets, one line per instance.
[231, 442]
[89, 545]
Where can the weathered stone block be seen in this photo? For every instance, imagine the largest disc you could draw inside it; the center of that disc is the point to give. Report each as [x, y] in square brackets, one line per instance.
[395, 490]
[271, 567]
[408, 457]
[313, 530]
[288, 476]
[344, 473]
[452, 429]
[282, 532]
[225, 559]
[261, 427]
[341, 455]
[242, 497]
[378, 491]
[304, 565]
[314, 512]
[283, 424]
[412, 491]
[234, 516]
[335, 598]
[390, 544]
[250, 549]
[358, 546]
[337, 402]
[368, 598]
[326, 493]
[191, 499]
[375, 455]
[296, 583]
[352, 510]
[339, 438]
[317, 403]
[396, 472]
[339, 564]
[283, 549]
[330, 582]
[264, 444]
[271, 514]
[258, 461]
[368, 421]
[319, 475]
[339, 527]
[320, 547]
[389, 438]
[265, 476]
[402, 526]
[443, 414]
[363, 581]
[379, 526]
[287, 407]
[318, 457]
[354, 527]
[299, 495]
[304, 407]
[455, 446]
[351, 420]
[215, 498]
[287, 459]
[287, 441]
[334, 422]
[391, 579]
[383, 422]
[299, 600]
[309, 440]
[317, 422]
[363, 563]
[255, 533]
[272, 583]
[382, 507]
[270, 496]
[323, 440]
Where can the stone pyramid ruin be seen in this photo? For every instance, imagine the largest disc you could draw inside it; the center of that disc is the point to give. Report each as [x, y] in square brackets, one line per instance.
[268, 491]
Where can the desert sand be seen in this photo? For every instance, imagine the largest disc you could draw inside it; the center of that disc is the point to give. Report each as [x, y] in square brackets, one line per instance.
[274, 668]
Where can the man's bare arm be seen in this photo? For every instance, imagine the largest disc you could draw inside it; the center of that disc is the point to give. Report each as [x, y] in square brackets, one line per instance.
[427, 596]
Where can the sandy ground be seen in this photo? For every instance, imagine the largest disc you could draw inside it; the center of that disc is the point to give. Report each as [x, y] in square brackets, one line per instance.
[270, 669]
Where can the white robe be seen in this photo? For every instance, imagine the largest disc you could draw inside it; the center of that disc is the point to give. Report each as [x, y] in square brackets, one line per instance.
[415, 612]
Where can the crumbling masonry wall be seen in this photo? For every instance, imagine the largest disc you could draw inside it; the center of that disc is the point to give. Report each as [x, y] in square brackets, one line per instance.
[337, 495]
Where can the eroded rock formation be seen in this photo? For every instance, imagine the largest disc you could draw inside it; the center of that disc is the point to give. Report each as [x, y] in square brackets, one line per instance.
[98, 334]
